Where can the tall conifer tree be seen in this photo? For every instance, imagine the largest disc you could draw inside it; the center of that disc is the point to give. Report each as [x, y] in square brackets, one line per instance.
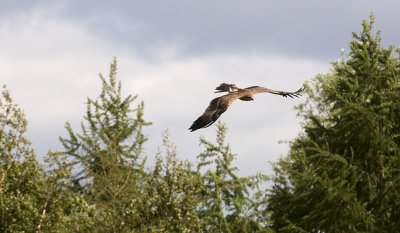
[107, 155]
[342, 173]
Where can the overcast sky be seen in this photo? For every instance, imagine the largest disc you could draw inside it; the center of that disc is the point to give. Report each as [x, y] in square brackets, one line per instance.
[172, 54]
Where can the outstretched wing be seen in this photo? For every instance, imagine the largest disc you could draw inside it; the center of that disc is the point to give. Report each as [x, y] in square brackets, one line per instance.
[256, 89]
[211, 114]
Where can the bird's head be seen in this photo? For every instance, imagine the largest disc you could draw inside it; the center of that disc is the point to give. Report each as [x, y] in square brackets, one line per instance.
[224, 87]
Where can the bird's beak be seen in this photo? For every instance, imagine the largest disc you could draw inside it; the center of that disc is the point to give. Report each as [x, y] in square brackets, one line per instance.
[218, 91]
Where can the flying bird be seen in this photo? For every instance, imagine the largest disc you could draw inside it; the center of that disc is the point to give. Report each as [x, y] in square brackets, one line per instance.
[220, 104]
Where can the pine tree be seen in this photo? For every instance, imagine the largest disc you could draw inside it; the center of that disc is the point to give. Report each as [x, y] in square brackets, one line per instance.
[342, 173]
[106, 156]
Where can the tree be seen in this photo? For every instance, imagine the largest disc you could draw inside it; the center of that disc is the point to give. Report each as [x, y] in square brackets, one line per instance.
[342, 172]
[229, 206]
[30, 198]
[13, 144]
[106, 156]
[172, 193]
[21, 181]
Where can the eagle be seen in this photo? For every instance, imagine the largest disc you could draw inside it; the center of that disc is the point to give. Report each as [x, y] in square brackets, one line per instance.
[220, 104]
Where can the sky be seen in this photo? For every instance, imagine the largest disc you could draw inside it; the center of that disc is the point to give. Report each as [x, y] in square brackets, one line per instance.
[172, 54]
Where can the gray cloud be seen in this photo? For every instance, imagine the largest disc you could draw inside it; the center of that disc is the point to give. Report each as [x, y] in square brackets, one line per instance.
[314, 29]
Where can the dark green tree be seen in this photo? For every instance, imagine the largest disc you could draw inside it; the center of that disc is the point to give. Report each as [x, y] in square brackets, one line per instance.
[342, 172]
[229, 205]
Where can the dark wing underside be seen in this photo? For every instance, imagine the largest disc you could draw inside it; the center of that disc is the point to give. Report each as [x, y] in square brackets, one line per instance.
[212, 113]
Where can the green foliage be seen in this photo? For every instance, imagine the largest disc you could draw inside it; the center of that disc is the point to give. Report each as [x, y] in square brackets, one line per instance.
[13, 144]
[21, 193]
[342, 174]
[228, 205]
[172, 194]
[107, 156]
[21, 183]
[111, 137]
[64, 210]
[29, 198]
